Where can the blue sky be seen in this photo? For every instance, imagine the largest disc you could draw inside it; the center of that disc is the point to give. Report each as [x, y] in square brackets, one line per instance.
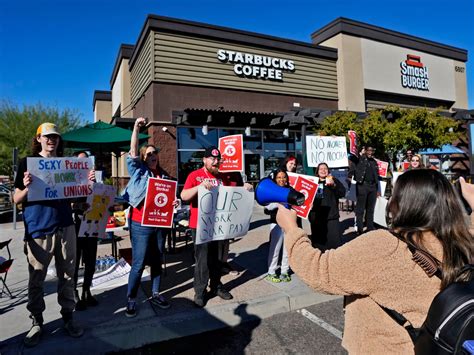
[58, 52]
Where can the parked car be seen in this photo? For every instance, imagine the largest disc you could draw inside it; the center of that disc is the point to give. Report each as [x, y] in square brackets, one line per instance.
[5, 202]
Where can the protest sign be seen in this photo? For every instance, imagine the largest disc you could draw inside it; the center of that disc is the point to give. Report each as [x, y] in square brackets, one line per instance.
[224, 213]
[159, 203]
[379, 211]
[94, 219]
[395, 176]
[308, 189]
[292, 177]
[383, 168]
[329, 150]
[353, 143]
[58, 178]
[232, 152]
[405, 165]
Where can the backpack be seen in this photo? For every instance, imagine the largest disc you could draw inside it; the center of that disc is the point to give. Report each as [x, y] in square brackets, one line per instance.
[450, 320]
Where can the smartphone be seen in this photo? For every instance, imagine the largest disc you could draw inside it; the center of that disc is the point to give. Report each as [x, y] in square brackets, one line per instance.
[457, 187]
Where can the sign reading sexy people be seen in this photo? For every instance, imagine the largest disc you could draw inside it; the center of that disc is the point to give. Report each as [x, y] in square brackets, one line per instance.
[224, 213]
[58, 178]
[94, 219]
[329, 150]
[159, 203]
[232, 151]
[308, 188]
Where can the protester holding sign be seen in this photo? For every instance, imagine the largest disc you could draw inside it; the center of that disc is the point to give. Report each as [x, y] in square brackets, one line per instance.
[207, 268]
[379, 269]
[280, 177]
[366, 174]
[49, 230]
[147, 241]
[324, 216]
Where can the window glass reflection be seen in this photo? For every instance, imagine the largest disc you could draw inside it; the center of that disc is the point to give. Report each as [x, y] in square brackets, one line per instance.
[192, 138]
[275, 140]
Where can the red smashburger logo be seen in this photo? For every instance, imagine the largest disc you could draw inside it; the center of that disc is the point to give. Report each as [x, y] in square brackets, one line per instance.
[414, 73]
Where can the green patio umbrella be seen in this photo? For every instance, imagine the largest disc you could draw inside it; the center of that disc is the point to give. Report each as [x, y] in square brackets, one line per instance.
[100, 137]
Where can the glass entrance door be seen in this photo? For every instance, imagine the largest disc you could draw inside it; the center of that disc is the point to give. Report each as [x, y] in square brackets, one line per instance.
[253, 168]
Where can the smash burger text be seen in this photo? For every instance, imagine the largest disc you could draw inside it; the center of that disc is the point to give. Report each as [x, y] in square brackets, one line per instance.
[414, 74]
[256, 66]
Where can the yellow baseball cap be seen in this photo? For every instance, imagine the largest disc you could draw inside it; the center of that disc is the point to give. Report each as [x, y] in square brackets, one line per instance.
[47, 128]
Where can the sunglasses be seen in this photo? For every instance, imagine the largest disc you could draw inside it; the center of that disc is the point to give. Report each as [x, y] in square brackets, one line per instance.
[149, 154]
[415, 160]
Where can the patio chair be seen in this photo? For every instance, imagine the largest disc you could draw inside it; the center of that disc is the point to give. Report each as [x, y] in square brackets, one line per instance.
[5, 265]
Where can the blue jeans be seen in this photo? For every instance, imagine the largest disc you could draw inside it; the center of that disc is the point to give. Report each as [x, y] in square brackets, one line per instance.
[147, 245]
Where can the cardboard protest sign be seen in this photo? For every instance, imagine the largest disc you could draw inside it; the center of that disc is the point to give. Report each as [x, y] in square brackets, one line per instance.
[58, 178]
[294, 176]
[329, 150]
[232, 152]
[159, 203]
[308, 188]
[353, 143]
[94, 220]
[383, 168]
[223, 213]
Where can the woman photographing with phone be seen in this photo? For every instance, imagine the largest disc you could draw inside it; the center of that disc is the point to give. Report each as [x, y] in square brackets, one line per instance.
[377, 268]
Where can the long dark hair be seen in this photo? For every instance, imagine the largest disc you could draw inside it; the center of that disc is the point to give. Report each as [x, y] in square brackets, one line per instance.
[423, 200]
[36, 146]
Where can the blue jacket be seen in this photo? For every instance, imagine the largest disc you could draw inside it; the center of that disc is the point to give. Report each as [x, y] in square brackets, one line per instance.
[135, 190]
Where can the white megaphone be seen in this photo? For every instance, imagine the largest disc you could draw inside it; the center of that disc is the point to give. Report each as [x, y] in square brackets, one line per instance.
[267, 191]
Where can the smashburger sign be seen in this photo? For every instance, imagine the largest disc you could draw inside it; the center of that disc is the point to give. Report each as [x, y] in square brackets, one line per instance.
[414, 74]
[256, 66]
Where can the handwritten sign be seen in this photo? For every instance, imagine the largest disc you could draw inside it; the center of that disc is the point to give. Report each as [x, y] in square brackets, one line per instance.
[224, 213]
[94, 220]
[308, 188]
[232, 151]
[383, 168]
[159, 203]
[58, 178]
[353, 143]
[329, 150]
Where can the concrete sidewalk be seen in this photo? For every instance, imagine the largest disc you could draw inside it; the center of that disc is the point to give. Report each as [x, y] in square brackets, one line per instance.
[107, 328]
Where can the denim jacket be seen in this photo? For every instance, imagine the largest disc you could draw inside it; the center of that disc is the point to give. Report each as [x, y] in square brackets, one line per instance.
[135, 190]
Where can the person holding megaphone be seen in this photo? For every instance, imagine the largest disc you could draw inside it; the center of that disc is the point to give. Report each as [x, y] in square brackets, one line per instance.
[280, 177]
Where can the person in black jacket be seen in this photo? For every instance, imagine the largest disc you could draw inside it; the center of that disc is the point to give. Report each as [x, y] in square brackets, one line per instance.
[324, 215]
[365, 173]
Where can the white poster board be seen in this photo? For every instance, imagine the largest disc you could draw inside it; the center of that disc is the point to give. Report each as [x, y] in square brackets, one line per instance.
[59, 178]
[379, 212]
[223, 213]
[329, 150]
[94, 220]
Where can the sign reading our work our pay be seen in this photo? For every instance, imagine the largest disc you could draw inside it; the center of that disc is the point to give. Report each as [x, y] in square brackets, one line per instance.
[159, 203]
[329, 150]
[232, 151]
[224, 213]
[58, 178]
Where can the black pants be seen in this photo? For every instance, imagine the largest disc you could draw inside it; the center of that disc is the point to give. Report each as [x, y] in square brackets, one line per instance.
[87, 248]
[207, 268]
[325, 233]
[366, 198]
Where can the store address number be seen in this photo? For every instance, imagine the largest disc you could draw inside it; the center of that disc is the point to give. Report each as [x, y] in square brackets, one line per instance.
[459, 69]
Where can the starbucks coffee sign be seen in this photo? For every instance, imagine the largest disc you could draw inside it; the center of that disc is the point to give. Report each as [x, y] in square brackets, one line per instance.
[256, 66]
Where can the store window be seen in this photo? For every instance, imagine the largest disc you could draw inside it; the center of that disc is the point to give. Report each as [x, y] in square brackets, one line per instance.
[193, 138]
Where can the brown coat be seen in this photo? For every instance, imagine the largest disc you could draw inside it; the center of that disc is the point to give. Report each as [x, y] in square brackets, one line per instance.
[376, 268]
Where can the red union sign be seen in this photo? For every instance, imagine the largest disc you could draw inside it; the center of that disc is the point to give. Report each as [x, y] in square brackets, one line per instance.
[232, 151]
[159, 203]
